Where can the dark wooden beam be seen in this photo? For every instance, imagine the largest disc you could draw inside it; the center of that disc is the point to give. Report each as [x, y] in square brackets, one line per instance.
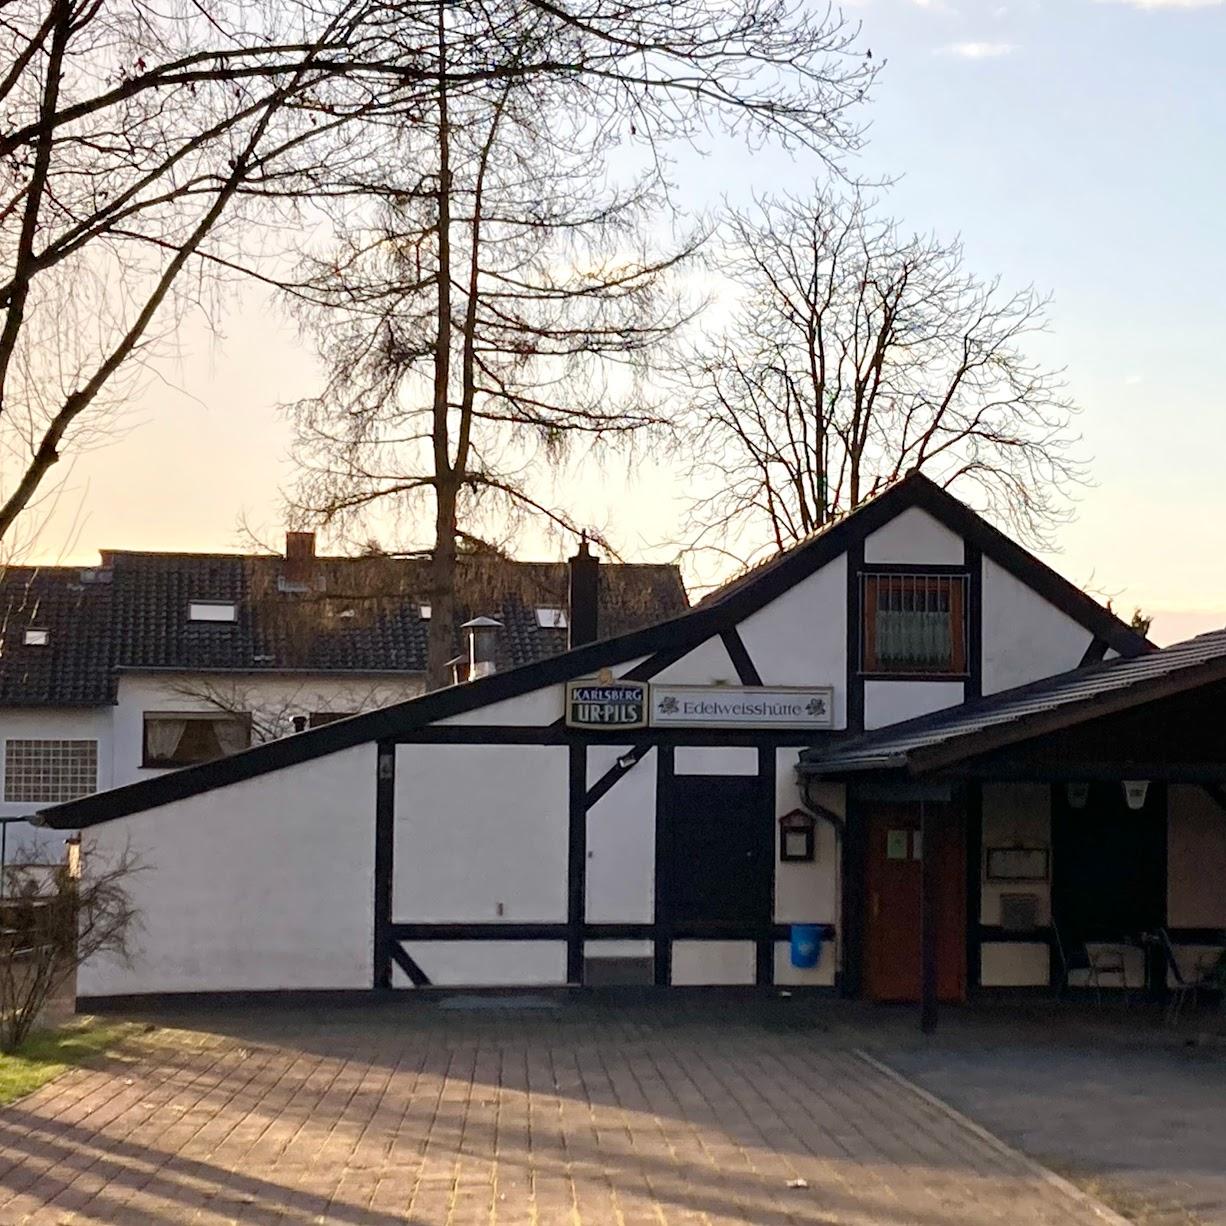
[929, 918]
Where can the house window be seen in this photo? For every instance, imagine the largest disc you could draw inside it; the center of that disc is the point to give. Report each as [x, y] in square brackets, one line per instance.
[914, 624]
[550, 617]
[49, 772]
[182, 740]
[35, 637]
[212, 611]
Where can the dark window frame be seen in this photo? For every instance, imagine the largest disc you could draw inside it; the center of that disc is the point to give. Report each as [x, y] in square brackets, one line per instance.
[954, 584]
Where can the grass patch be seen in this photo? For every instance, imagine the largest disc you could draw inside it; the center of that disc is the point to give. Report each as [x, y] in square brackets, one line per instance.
[48, 1053]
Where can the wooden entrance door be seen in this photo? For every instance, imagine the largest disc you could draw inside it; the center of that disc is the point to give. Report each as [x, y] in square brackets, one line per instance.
[894, 898]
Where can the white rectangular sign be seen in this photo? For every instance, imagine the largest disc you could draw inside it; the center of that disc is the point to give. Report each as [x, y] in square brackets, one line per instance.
[736, 706]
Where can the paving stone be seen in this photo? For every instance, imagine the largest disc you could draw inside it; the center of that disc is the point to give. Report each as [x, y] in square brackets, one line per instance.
[580, 1115]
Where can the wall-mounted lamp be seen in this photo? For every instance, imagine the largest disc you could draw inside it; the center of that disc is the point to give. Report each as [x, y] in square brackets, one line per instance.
[796, 836]
[1135, 791]
[627, 760]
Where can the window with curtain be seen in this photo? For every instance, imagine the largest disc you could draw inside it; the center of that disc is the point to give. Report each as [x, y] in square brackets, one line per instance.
[185, 739]
[914, 624]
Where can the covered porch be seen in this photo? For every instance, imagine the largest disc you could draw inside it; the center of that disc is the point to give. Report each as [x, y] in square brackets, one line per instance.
[1059, 836]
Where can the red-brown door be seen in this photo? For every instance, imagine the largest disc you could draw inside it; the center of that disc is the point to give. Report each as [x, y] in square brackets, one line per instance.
[895, 900]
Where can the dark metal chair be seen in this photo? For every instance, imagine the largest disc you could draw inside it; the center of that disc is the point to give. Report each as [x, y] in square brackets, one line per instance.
[1181, 986]
[1077, 957]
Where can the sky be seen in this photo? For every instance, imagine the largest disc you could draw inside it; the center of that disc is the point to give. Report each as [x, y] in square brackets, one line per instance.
[1077, 145]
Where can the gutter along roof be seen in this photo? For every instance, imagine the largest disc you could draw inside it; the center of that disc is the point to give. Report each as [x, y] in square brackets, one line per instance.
[946, 738]
[664, 643]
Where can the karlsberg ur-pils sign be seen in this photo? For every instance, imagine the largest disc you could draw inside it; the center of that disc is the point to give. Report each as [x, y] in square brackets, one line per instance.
[605, 703]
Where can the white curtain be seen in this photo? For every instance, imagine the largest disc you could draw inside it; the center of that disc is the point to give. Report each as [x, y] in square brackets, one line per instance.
[162, 737]
[232, 735]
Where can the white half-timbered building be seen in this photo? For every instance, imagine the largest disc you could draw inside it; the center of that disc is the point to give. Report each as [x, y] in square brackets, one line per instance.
[790, 756]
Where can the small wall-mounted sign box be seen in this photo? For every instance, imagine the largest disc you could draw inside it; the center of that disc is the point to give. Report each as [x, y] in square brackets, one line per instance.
[796, 836]
[606, 704]
[1017, 863]
[742, 706]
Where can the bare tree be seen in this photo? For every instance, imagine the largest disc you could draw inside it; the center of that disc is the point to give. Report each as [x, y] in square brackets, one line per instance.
[510, 297]
[854, 354]
[53, 918]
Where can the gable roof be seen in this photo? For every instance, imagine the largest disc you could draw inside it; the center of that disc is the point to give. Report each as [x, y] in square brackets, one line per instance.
[359, 615]
[944, 738]
[663, 643]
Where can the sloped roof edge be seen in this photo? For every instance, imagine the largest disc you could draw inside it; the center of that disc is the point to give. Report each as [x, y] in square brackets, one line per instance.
[665, 641]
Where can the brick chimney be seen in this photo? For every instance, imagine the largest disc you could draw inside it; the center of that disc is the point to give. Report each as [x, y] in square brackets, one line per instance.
[583, 612]
[299, 557]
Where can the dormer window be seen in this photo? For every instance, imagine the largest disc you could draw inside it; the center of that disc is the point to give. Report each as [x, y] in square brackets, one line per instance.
[425, 612]
[35, 637]
[212, 611]
[549, 617]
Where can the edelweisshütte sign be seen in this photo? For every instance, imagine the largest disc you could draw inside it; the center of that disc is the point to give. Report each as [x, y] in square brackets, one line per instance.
[733, 706]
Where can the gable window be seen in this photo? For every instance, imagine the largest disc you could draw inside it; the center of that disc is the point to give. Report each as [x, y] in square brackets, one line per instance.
[183, 740]
[212, 611]
[914, 624]
[49, 772]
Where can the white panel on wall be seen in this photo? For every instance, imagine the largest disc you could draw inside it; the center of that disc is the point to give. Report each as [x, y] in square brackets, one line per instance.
[807, 893]
[801, 637]
[1024, 637]
[486, 964]
[536, 708]
[1015, 815]
[703, 963]
[601, 759]
[708, 664]
[621, 849]
[1195, 859]
[891, 702]
[711, 760]
[1012, 964]
[617, 949]
[261, 885]
[915, 537]
[479, 827]
[819, 976]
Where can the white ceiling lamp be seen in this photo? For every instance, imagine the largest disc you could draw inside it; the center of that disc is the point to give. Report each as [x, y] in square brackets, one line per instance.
[1135, 791]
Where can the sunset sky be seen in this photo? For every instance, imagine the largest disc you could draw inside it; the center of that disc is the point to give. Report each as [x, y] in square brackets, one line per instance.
[1076, 144]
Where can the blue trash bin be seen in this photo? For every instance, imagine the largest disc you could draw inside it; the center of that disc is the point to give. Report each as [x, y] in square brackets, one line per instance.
[806, 945]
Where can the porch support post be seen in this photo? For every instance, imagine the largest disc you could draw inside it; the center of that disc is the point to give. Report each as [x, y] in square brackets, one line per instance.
[928, 919]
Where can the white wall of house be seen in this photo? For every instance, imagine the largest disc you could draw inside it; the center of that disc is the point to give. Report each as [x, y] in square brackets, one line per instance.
[914, 538]
[272, 698]
[480, 834]
[488, 964]
[1024, 637]
[621, 832]
[1014, 815]
[801, 638]
[708, 664]
[50, 724]
[260, 885]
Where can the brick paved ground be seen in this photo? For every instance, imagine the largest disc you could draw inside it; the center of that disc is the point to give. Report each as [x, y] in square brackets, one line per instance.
[1110, 1097]
[560, 1114]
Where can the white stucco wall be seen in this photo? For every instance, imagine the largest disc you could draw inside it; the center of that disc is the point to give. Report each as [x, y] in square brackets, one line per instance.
[479, 827]
[273, 698]
[710, 963]
[915, 537]
[1024, 637]
[491, 964]
[536, 708]
[264, 884]
[801, 638]
[708, 664]
[621, 831]
[891, 702]
[807, 893]
[50, 724]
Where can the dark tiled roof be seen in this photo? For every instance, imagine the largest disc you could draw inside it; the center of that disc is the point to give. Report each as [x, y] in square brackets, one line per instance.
[73, 606]
[1081, 691]
[356, 614]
